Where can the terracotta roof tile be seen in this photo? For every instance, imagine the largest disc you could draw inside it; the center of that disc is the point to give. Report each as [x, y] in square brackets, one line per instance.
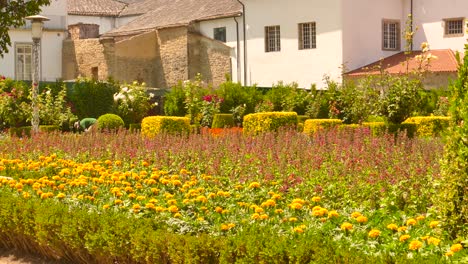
[95, 7]
[396, 64]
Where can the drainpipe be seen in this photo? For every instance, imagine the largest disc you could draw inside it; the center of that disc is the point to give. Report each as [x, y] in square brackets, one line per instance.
[239, 67]
[412, 21]
[245, 41]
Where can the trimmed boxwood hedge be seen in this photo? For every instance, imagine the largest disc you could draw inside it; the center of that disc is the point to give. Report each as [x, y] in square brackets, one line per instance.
[154, 125]
[269, 122]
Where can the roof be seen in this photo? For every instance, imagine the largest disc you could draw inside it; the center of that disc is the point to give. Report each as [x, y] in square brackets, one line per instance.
[95, 7]
[444, 61]
[169, 13]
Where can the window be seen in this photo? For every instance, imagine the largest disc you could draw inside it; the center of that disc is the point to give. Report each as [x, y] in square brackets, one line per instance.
[307, 36]
[272, 39]
[23, 61]
[220, 34]
[391, 35]
[454, 27]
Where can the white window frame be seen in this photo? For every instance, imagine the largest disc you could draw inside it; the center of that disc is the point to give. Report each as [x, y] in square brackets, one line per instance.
[391, 36]
[453, 30]
[272, 38]
[307, 35]
[22, 74]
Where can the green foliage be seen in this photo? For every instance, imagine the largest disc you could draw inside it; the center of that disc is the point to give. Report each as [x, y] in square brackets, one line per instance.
[132, 102]
[429, 126]
[194, 92]
[110, 122]
[53, 108]
[12, 14]
[409, 129]
[377, 128]
[93, 98]
[453, 186]
[26, 130]
[288, 97]
[268, 121]
[235, 95]
[15, 103]
[302, 118]
[174, 101]
[223, 121]
[154, 125]
[134, 127]
[311, 126]
[318, 107]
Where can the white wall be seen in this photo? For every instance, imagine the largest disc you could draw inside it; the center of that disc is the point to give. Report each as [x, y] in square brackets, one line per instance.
[105, 23]
[429, 16]
[362, 25]
[51, 44]
[206, 28]
[306, 67]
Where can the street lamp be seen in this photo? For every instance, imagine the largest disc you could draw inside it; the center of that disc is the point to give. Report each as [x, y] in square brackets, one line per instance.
[37, 22]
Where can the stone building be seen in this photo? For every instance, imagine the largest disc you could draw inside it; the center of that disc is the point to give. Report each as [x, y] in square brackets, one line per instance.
[161, 47]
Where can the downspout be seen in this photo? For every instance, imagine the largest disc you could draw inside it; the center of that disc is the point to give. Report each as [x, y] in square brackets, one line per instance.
[245, 41]
[412, 21]
[239, 68]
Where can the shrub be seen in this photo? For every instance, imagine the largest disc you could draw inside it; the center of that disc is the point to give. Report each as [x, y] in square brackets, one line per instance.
[174, 101]
[311, 126]
[54, 109]
[235, 95]
[110, 122]
[132, 102]
[26, 130]
[453, 186]
[427, 126]
[154, 125]
[134, 127]
[376, 128]
[408, 128]
[268, 121]
[92, 97]
[302, 118]
[223, 121]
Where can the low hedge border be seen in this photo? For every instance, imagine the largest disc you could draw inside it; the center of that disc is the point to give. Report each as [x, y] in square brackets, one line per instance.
[174, 125]
[269, 122]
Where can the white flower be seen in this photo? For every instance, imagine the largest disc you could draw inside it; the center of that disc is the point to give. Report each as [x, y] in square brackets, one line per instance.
[156, 104]
[130, 97]
[125, 89]
[116, 97]
[151, 95]
[48, 92]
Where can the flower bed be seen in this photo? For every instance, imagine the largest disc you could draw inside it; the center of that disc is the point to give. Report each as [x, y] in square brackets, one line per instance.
[275, 197]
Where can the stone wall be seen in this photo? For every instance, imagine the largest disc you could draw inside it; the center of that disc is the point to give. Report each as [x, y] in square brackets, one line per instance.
[210, 58]
[83, 31]
[174, 55]
[86, 58]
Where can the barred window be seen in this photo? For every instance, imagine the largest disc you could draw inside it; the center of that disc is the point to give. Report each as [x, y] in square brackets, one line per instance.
[307, 36]
[454, 27]
[272, 39]
[390, 35]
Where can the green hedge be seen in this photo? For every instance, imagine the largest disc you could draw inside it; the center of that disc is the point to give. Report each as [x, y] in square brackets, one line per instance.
[110, 122]
[223, 121]
[268, 121]
[311, 126]
[428, 126]
[153, 125]
[26, 130]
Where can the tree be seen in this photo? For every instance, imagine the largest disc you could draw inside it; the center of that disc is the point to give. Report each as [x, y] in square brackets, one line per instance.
[12, 14]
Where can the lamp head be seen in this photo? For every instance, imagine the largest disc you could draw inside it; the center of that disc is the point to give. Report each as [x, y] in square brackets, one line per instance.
[37, 22]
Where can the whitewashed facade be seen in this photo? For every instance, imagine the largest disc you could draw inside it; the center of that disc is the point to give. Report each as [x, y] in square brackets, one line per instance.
[17, 63]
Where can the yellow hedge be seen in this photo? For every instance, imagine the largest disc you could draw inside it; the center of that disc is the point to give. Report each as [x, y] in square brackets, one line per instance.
[311, 126]
[429, 126]
[268, 121]
[153, 125]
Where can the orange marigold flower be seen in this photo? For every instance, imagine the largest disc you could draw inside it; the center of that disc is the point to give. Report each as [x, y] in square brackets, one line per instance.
[346, 226]
[420, 218]
[356, 214]
[374, 233]
[403, 238]
[332, 214]
[456, 247]
[411, 222]
[392, 227]
[433, 224]
[316, 199]
[415, 245]
[402, 229]
[449, 253]
[361, 219]
[298, 230]
[433, 241]
[254, 185]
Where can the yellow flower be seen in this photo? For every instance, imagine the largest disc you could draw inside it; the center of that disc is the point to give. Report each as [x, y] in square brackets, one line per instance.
[403, 238]
[255, 216]
[292, 219]
[278, 211]
[136, 207]
[420, 218]
[224, 227]
[361, 219]
[61, 195]
[177, 215]
[433, 224]
[298, 230]
[392, 227]
[259, 210]
[449, 253]
[173, 209]
[316, 199]
[264, 216]
[332, 214]
[433, 241]
[356, 214]
[415, 245]
[456, 247]
[346, 226]
[374, 233]
[254, 185]
[269, 203]
[231, 225]
[118, 201]
[296, 206]
[402, 229]
[411, 221]
[106, 206]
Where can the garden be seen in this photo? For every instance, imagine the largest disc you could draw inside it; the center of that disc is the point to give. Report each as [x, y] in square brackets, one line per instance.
[374, 171]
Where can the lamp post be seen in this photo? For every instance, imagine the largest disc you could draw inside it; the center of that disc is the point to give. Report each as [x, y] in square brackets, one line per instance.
[37, 22]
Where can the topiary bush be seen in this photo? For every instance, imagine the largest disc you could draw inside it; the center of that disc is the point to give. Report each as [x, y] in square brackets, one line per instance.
[268, 122]
[154, 125]
[223, 121]
[110, 122]
[429, 126]
[311, 126]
